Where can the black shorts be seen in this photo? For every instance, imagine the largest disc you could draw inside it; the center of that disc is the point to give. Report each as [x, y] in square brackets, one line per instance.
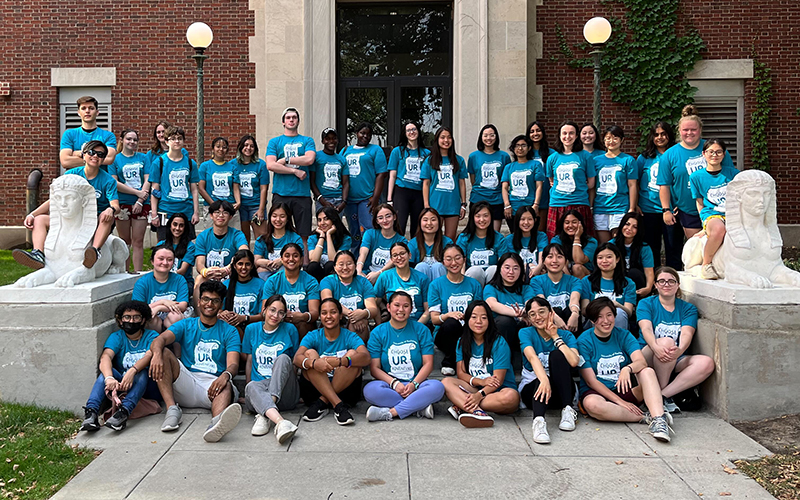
[301, 212]
[351, 395]
[689, 221]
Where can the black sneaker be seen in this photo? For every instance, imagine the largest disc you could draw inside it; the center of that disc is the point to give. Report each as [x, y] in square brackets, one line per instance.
[90, 421]
[342, 414]
[33, 259]
[316, 411]
[119, 420]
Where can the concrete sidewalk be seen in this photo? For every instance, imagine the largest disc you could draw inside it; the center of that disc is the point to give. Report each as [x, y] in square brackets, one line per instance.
[417, 459]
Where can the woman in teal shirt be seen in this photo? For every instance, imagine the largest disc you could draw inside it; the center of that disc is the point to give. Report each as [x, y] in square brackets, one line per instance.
[444, 184]
[428, 243]
[541, 151]
[485, 167]
[242, 304]
[485, 378]
[354, 292]
[481, 244]
[216, 180]
[402, 277]
[527, 241]
[329, 238]
[130, 170]
[560, 289]
[638, 256]
[617, 192]
[507, 295]
[522, 180]
[279, 231]
[366, 165]
[608, 280]
[405, 167]
[374, 251]
[250, 183]
[300, 290]
[579, 246]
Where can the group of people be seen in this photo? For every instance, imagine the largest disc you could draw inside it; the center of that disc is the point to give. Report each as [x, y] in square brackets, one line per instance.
[364, 295]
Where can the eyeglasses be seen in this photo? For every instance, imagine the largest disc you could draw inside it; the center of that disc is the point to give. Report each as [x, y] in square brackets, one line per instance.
[520, 145]
[711, 152]
[412, 129]
[666, 282]
[398, 255]
[135, 318]
[210, 300]
[276, 312]
[98, 154]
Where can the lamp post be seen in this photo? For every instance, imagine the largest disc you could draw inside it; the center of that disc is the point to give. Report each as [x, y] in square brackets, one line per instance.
[200, 37]
[597, 31]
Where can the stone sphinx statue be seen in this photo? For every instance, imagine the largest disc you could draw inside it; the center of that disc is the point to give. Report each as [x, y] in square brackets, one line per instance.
[751, 252]
[73, 219]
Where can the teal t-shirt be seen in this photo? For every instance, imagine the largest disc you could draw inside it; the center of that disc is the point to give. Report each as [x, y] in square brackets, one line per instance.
[260, 246]
[570, 174]
[379, 248]
[284, 146]
[544, 202]
[676, 165]
[219, 251]
[444, 196]
[219, 180]
[401, 351]
[328, 173]
[444, 296]
[666, 323]
[148, 290]
[346, 341]
[645, 256]
[363, 165]
[347, 242]
[130, 171]
[588, 250]
[416, 286]
[529, 337]
[76, 138]
[250, 177]
[350, 296]
[522, 179]
[478, 253]
[530, 257]
[612, 189]
[606, 358]
[408, 164]
[188, 257]
[628, 294]
[105, 187]
[488, 170]
[508, 298]
[267, 346]
[126, 351]
[247, 299]
[649, 201]
[296, 295]
[557, 294]
[175, 179]
[416, 258]
[713, 189]
[500, 359]
[204, 349]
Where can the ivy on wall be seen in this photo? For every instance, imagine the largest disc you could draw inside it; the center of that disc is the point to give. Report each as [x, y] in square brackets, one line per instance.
[760, 117]
[645, 60]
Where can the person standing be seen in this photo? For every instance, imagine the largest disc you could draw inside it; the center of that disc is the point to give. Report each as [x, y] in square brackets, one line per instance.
[405, 186]
[216, 182]
[486, 168]
[330, 179]
[173, 179]
[74, 139]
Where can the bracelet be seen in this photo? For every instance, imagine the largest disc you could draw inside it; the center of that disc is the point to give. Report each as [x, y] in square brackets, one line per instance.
[313, 362]
[369, 314]
[416, 384]
[111, 377]
[230, 375]
[30, 215]
[317, 198]
[303, 364]
[482, 393]
[575, 307]
[204, 272]
[664, 210]
[138, 203]
[390, 202]
[320, 243]
[349, 361]
[134, 369]
[470, 381]
[394, 383]
[247, 318]
[577, 245]
[506, 207]
[309, 317]
[464, 206]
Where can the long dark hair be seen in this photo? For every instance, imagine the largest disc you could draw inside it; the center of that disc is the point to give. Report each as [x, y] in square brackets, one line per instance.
[619, 271]
[481, 146]
[472, 228]
[650, 150]
[544, 146]
[638, 240]
[438, 239]
[183, 242]
[336, 220]
[267, 236]
[436, 155]
[156, 147]
[244, 253]
[516, 240]
[402, 142]
[497, 279]
[576, 146]
[566, 240]
[598, 142]
[488, 338]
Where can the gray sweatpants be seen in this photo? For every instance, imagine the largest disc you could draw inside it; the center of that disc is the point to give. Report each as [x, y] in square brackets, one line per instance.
[283, 385]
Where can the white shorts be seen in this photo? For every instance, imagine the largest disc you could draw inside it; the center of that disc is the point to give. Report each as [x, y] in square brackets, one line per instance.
[190, 390]
[607, 222]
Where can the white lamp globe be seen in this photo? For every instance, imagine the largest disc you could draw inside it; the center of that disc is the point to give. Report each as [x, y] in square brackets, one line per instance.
[597, 30]
[199, 35]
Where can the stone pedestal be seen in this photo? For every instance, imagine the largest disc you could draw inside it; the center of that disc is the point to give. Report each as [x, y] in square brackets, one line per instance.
[51, 339]
[754, 338]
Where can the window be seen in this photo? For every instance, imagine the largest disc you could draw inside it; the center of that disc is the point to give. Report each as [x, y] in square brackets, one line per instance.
[68, 109]
[722, 120]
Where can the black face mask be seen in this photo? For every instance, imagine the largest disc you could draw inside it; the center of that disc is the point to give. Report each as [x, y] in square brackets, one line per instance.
[131, 328]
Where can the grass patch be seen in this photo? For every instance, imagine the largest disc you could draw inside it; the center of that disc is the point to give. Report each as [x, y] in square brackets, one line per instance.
[35, 460]
[778, 474]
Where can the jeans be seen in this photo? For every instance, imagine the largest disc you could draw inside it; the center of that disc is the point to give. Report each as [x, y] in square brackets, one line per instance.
[379, 393]
[283, 385]
[141, 381]
[432, 270]
[358, 217]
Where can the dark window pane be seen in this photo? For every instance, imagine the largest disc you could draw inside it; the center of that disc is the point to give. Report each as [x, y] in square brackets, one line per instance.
[367, 105]
[394, 40]
[423, 105]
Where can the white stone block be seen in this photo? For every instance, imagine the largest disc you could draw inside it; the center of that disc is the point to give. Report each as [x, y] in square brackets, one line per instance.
[102, 288]
[739, 294]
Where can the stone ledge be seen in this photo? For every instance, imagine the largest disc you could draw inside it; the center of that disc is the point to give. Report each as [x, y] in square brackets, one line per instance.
[739, 294]
[102, 288]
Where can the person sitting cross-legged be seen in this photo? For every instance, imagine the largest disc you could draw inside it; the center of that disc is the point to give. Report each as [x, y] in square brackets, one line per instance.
[203, 376]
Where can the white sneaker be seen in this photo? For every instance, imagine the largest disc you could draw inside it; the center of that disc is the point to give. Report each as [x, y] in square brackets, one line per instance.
[568, 417]
[540, 434]
[454, 411]
[377, 413]
[223, 423]
[426, 413]
[261, 426]
[709, 272]
[284, 431]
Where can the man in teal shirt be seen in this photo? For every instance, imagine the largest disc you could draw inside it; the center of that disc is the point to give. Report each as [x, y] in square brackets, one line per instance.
[73, 140]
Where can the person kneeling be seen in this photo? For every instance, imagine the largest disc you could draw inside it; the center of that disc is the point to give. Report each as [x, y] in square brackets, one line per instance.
[122, 367]
[199, 379]
[485, 380]
[615, 377]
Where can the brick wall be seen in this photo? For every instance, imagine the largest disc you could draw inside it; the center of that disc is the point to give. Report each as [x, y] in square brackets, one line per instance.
[146, 41]
[729, 29]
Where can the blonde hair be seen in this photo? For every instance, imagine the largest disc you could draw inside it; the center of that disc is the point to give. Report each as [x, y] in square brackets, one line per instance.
[689, 112]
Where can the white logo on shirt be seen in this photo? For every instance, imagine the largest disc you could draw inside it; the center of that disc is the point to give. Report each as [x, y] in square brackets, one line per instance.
[293, 300]
[664, 330]
[204, 356]
[131, 174]
[131, 358]
[489, 171]
[177, 184]
[221, 187]
[446, 181]
[412, 169]
[217, 259]
[241, 304]
[400, 364]
[717, 196]
[350, 302]
[480, 257]
[652, 185]
[519, 183]
[608, 180]
[265, 357]
[331, 176]
[380, 256]
[608, 367]
[164, 296]
[559, 300]
[477, 368]
[354, 164]
[458, 303]
[693, 165]
[246, 184]
[565, 180]
[291, 151]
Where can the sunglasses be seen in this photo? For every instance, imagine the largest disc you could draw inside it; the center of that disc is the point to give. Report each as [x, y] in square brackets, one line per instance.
[98, 154]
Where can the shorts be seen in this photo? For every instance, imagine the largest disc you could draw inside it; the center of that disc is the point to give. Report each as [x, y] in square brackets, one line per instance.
[689, 221]
[333, 201]
[301, 212]
[628, 396]
[607, 222]
[247, 213]
[191, 388]
[126, 213]
[720, 217]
